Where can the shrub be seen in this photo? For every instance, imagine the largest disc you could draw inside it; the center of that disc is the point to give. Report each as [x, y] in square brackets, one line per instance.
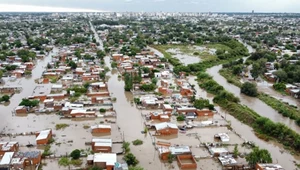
[249, 89]
[180, 118]
[137, 142]
[125, 146]
[102, 110]
[130, 159]
[61, 126]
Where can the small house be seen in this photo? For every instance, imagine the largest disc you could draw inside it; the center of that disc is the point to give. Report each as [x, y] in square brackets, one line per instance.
[101, 129]
[21, 110]
[102, 145]
[261, 166]
[166, 128]
[43, 137]
[103, 160]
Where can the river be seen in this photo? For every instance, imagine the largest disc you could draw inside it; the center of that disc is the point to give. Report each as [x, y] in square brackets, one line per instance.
[252, 102]
[279, 154]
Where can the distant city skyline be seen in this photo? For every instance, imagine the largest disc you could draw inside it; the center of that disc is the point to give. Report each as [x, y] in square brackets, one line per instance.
[150, 5]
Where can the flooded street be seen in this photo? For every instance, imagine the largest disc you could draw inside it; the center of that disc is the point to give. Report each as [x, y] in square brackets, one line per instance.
[131, 122]
[28, 85]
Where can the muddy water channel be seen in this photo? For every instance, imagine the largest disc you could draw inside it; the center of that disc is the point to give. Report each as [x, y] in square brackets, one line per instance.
[254, 103]
[131, 122]
[279, 154]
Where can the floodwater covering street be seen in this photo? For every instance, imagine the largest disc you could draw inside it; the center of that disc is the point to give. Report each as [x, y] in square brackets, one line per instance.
[28, 85]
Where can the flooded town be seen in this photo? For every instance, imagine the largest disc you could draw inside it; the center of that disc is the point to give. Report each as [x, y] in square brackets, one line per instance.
[149, 91]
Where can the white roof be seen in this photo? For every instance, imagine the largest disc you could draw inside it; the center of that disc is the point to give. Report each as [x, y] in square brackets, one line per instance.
[43, 135]
[102, 142]
[167, 106]
[179, 149]
[6, 158]
[78, 111]
[57, 86]
[224, 137]
[100, 126]
[48, 100]
[108, 158]
[218, 150]
[165, 125]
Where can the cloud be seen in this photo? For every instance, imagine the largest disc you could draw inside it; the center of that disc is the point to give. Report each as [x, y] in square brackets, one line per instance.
[35, 8]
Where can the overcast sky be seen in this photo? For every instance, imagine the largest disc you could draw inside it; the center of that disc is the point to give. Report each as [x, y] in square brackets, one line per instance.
[153, 5]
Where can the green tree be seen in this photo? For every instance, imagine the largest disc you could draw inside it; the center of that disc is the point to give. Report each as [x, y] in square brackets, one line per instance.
[75, 154]
[1, 74]
[171, 158]
[29, 103]
[114, 65]
[255, 71]
[100, 54]
[5, 98]
[281, 75]
[72, 64]
[128, 82]
[130, 159]
[201, 103]
[237, 70]
[125, 147]
[249, 89]
[235, 151]
[154, 81]
[279, 86]
[258, 156]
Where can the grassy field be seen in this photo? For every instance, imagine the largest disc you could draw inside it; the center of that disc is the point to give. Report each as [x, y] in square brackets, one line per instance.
[192, 51]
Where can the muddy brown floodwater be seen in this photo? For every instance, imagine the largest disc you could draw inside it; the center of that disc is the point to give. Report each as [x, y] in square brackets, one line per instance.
[279, 154]
[8, 120]
[131, 123]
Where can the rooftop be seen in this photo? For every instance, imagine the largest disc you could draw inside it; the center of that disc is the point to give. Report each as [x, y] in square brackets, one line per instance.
[108, 158]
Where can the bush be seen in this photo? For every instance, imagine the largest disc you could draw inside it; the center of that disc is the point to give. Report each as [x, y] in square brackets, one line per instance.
[148, 87]
[249, 89]
[61, 126]
[279, 86]
[102, 110]
[29, 103]
[5, 98]
[75, 154]
[130, 159]
[180, 118]
[125, 147]
[137, 142]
